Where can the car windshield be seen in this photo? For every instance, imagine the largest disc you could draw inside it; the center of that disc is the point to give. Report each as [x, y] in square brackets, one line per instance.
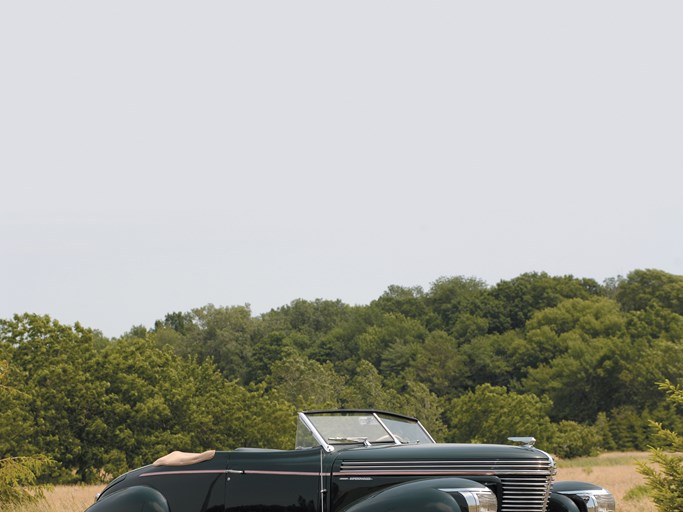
[328, 428]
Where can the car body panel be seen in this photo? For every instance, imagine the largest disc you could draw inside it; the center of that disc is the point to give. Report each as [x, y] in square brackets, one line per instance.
[348, 473]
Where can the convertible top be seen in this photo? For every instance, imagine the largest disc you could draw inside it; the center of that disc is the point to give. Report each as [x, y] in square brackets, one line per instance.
[184, 458]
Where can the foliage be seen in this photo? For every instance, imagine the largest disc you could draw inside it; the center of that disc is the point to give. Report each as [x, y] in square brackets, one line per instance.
[18, 474]
[490, 414]
[54, 368]
[571, 439]
[645, 287]
[18, 479]
[305, 383]
[561, 358]
[664, 474]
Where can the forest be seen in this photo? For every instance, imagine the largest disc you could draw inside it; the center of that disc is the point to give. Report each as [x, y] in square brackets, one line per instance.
[579, 365]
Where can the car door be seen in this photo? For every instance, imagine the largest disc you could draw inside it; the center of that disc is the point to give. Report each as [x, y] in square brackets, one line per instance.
[273, 481]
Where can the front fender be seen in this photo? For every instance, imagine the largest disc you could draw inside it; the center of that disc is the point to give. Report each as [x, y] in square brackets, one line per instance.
[561, 503]
[573, 496]
[132, 499]
[429, 495]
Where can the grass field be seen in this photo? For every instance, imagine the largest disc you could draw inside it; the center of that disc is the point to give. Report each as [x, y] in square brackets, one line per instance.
[614, 471]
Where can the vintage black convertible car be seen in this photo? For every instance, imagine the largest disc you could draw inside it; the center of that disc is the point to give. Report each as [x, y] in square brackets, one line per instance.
[355, 461]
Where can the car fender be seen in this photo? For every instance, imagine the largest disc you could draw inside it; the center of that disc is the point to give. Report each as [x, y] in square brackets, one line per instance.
[562, 503]
[139, 498]
[565, 496]
[429, 495]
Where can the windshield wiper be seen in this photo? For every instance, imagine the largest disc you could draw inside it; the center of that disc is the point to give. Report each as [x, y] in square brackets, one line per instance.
[363, 440]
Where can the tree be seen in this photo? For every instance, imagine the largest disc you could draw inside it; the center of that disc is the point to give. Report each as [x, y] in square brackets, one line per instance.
[450, 297]
[522, 296]
[305, 383]
[581, 382]
[440, 365]
[643, 287]
[224, 334]
[18, 474]
[55, 364]
[18, 479]
[392, 331]
[491, 414]
[496, 359]
[664, 474]
[367, 389]
[579, 350]
[409, 302]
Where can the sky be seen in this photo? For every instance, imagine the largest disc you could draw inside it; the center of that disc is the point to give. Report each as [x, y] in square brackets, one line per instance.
[161, 156]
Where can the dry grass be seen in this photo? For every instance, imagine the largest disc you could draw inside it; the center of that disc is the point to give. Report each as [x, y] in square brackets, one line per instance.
[614, 471]
[62, 498]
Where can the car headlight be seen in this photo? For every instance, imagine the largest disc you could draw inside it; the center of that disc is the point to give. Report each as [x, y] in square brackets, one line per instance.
[596, 500]
[478, 499]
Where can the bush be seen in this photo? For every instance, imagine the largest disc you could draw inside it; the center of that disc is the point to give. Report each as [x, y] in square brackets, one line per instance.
[664, 474]
[18, 478]
[571, 439]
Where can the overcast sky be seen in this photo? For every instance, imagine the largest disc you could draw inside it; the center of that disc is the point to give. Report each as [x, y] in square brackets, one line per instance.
[160, 156]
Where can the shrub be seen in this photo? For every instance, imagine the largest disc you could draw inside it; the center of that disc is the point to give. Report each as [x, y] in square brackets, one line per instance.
[664, 473]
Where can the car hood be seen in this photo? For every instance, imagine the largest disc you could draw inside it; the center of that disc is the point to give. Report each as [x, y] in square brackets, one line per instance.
[438, 452]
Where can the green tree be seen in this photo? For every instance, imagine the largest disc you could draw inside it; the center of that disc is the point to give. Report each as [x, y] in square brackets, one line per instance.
[440, 365]
[496, 359]
[340, 346]
[664, 473]
[224, 334]
[450, 297]
[55, 362]
[19, 479]
[520, 297]
[583, 381]
[643, 287]
[305, 383]
[392, 330]
[580, 349]
[311, 317]
[490, 414]
[367, 389]
[407, 301]
[18, 473]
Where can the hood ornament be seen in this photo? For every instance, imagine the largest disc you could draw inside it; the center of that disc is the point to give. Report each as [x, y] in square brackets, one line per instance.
[526, 442]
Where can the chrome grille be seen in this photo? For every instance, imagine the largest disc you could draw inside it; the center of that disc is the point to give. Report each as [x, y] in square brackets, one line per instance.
[525, 483]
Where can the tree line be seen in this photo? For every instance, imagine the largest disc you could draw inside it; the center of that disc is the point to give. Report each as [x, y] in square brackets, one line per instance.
[570, 361]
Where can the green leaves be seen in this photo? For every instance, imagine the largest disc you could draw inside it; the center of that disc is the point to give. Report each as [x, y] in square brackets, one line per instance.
[561, 358]
[18, 479]
[664, 473]
[18, 474]
[491, 414]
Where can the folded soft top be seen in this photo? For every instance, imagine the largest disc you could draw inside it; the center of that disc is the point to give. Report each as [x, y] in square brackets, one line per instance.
[184, 458]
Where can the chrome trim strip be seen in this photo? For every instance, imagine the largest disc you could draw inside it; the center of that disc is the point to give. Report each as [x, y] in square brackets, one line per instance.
[280, 473]
[231, 472]
[188, 472]
[412, 473]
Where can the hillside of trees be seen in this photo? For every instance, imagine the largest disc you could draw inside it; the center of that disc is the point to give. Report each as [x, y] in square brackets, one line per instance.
[570, 361]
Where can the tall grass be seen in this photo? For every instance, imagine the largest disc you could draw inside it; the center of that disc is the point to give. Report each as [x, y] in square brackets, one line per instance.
[614, 471]
[61, 498]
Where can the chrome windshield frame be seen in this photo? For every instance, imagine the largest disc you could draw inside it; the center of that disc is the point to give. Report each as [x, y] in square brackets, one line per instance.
[314, 432]
[376, 414]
